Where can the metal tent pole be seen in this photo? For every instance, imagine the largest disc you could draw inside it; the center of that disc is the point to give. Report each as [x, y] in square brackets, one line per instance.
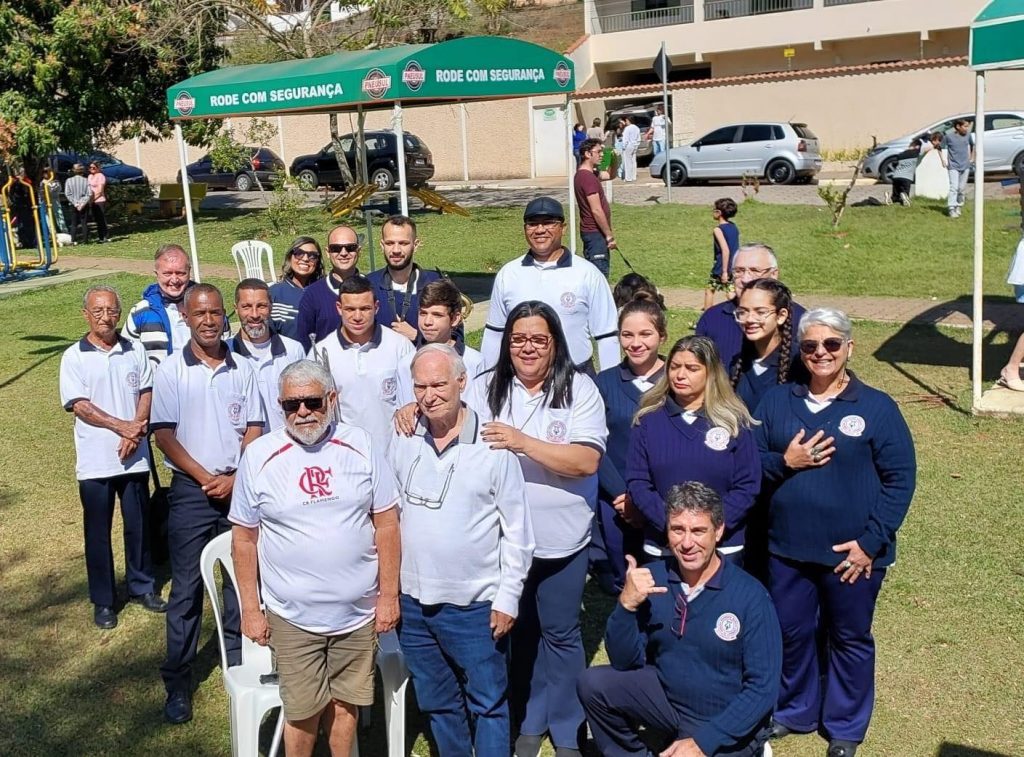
[400, 136]
[571, 165]
[187, 194]
[977, 314]
[361, 154]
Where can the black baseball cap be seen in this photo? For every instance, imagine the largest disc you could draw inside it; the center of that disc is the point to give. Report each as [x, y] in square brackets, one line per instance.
[544, 207]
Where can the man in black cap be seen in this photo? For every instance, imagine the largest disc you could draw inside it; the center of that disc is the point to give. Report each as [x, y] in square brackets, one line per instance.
[572, 286]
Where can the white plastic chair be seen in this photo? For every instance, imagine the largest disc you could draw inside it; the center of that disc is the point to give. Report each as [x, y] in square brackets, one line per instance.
[394, 679]
[249, 255]
[249, 700]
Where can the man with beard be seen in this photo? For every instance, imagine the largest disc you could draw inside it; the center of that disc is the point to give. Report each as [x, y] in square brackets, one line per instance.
[206, 409]
[318, 308]
[302, 491]
[397, 285]
[268, 353]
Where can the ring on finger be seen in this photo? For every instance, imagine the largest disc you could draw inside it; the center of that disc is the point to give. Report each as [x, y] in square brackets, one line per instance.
[847, 564]
[815, 457]
[815, 450]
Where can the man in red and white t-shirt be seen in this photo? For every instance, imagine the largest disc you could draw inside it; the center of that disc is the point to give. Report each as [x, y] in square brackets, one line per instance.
[314, 508]
[595, 215]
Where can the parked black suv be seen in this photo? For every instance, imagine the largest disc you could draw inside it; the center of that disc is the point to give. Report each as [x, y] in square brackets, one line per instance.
[321, 169]
[265, 164]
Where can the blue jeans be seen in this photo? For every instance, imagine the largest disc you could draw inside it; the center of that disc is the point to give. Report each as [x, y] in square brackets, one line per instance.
[459, 673]
[957, 187]
[659, 145]
[595, 249]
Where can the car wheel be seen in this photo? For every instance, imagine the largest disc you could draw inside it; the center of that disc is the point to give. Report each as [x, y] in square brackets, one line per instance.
[307, 179]
[1018, 165]
[885, 171]
[243, 183]
[383, 179]
[780, 172]
[677, 173]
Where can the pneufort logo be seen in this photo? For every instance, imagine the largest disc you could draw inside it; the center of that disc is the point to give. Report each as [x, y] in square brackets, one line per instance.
[562, 74]
[376, 84]
[184, 103]
[413, 76]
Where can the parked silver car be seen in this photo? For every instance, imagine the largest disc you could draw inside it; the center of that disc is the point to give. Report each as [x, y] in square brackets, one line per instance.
[1004, 144]
[779, 152]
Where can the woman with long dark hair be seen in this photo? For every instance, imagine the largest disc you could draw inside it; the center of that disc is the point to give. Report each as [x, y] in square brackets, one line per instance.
[692, 427]
[539, 406]
[303, 264]
[766, 359]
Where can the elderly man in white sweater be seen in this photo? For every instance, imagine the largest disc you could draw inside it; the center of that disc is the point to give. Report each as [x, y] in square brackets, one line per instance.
[467, 544]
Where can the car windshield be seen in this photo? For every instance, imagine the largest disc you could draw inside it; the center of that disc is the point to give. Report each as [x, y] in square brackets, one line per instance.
[103, 160]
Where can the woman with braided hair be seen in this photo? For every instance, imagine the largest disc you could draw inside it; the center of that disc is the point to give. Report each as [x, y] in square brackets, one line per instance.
[766, 358]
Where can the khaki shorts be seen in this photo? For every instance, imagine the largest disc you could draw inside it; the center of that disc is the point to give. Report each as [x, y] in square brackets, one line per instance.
[314, 669]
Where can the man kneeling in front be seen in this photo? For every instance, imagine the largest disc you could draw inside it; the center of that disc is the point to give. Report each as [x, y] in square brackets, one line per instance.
[320, 499]
[694, 645]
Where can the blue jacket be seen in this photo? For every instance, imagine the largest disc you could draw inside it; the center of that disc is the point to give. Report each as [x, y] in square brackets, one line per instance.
[148, 323]
[392, 302]
[862, 493]
[621, 399]
[722, 674]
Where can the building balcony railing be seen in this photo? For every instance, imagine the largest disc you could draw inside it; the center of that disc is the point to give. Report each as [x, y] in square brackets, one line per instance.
[829, 3]
[715, 10]
[609, 17]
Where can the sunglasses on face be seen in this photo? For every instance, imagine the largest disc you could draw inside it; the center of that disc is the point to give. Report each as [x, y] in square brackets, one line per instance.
[832, 344]
[305, 254]
[312, 404]
[337, 249]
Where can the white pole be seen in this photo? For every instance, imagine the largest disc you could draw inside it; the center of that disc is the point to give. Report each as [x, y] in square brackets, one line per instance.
[571, 166]
[400, 136]
[138, 153]
[664, 107]
[188, 202]
[533, 146]
[280, 142]
[465, 142]
[979, 233]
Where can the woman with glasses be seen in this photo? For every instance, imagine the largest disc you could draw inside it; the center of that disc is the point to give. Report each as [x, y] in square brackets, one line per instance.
[302, 266]
[642, 332]
[551, 415]
[763, 315]
[839, 474]
[692, 427]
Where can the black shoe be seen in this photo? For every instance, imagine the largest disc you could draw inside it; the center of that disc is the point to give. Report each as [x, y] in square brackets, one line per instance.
[528, 746]
[778, 731]
[104, 617]
[152, 602]
[837, 748]
[178, 708]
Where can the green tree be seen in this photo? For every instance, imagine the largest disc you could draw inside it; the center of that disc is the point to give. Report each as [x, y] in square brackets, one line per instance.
[79, 73]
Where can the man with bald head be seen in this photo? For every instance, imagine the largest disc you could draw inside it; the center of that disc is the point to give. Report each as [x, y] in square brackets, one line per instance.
[718, 323]
[318, 310]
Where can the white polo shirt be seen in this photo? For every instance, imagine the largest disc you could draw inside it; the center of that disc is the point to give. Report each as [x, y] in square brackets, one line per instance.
[366, 377]
[474, 367]
[112, 380]
[208, 409]
[561, 507]
[466, 530]
[574, 288]
[268, 366]
[312, 505]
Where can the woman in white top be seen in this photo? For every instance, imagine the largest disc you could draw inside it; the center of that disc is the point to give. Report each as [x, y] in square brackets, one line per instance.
[540, 407]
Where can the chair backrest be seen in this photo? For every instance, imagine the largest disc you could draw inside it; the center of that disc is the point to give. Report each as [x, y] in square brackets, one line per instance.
[219, 551]
[249, 256]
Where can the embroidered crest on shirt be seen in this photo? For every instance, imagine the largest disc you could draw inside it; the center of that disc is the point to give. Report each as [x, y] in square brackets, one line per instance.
[132, 379]
[316, 481]
[727, 627]
[389, 388]
[235, 412]
[717, 438]
[852, 425]
[568, 300]
[556, 432]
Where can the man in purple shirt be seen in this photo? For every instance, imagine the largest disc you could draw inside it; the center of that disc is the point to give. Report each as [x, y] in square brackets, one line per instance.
[751, 261]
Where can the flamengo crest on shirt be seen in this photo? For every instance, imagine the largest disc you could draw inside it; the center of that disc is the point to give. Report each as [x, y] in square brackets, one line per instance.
[316, 481]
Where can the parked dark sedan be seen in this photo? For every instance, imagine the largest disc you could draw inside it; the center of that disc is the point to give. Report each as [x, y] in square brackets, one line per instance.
[265, 164]
[116, 171]
[321, 169]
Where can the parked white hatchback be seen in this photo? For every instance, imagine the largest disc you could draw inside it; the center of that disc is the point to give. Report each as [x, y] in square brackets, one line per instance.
[779, 152]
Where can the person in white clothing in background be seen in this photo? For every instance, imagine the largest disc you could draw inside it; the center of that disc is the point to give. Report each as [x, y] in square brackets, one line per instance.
[630, 144]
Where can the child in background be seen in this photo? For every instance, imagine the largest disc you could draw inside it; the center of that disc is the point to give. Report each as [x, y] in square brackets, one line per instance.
[903, 172]
[726, 238]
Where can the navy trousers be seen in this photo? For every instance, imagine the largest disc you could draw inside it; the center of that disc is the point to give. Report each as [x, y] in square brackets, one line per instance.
[617, 702]
[460, 674]
[98, 501]
[834, 691]
[547, 650]
[193, 520]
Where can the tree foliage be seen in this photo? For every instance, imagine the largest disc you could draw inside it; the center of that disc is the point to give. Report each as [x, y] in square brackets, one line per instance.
[79, 73]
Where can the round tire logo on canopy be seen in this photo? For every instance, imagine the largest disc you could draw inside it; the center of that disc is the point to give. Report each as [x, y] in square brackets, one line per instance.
[184, 103]
[376, 84]
[562, 74]
[413, 75]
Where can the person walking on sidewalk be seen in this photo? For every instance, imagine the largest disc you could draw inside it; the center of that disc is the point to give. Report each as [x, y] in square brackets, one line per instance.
[957, 158]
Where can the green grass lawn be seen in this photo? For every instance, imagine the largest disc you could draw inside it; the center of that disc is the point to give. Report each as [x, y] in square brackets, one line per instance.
[883, 251]
[950, 666]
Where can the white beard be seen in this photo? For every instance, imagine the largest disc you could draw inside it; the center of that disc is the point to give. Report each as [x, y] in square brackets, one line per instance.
[308, 434]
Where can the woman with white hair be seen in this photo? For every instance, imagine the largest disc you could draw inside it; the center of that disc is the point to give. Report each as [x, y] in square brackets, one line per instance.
[839, 475]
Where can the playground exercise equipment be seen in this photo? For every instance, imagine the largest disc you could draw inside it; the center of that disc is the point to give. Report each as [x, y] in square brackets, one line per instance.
[356, 196]
[17, 263]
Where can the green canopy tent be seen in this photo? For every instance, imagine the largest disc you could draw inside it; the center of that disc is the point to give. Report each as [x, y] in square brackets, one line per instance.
[460, 70]
[996, 42]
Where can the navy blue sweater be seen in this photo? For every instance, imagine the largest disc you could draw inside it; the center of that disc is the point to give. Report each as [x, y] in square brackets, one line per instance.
[751, 386]
[862, 493]
[285, 298]
[665, 450]
[722, 674]
[318, 312]
[621, 398]
[718, 323]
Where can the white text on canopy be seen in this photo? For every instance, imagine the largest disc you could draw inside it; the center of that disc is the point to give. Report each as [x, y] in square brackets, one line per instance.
[479, 75]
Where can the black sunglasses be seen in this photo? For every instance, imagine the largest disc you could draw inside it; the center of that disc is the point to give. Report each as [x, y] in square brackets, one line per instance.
[832, 344]
[337, 249]
[304, 254]
[311, 403]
